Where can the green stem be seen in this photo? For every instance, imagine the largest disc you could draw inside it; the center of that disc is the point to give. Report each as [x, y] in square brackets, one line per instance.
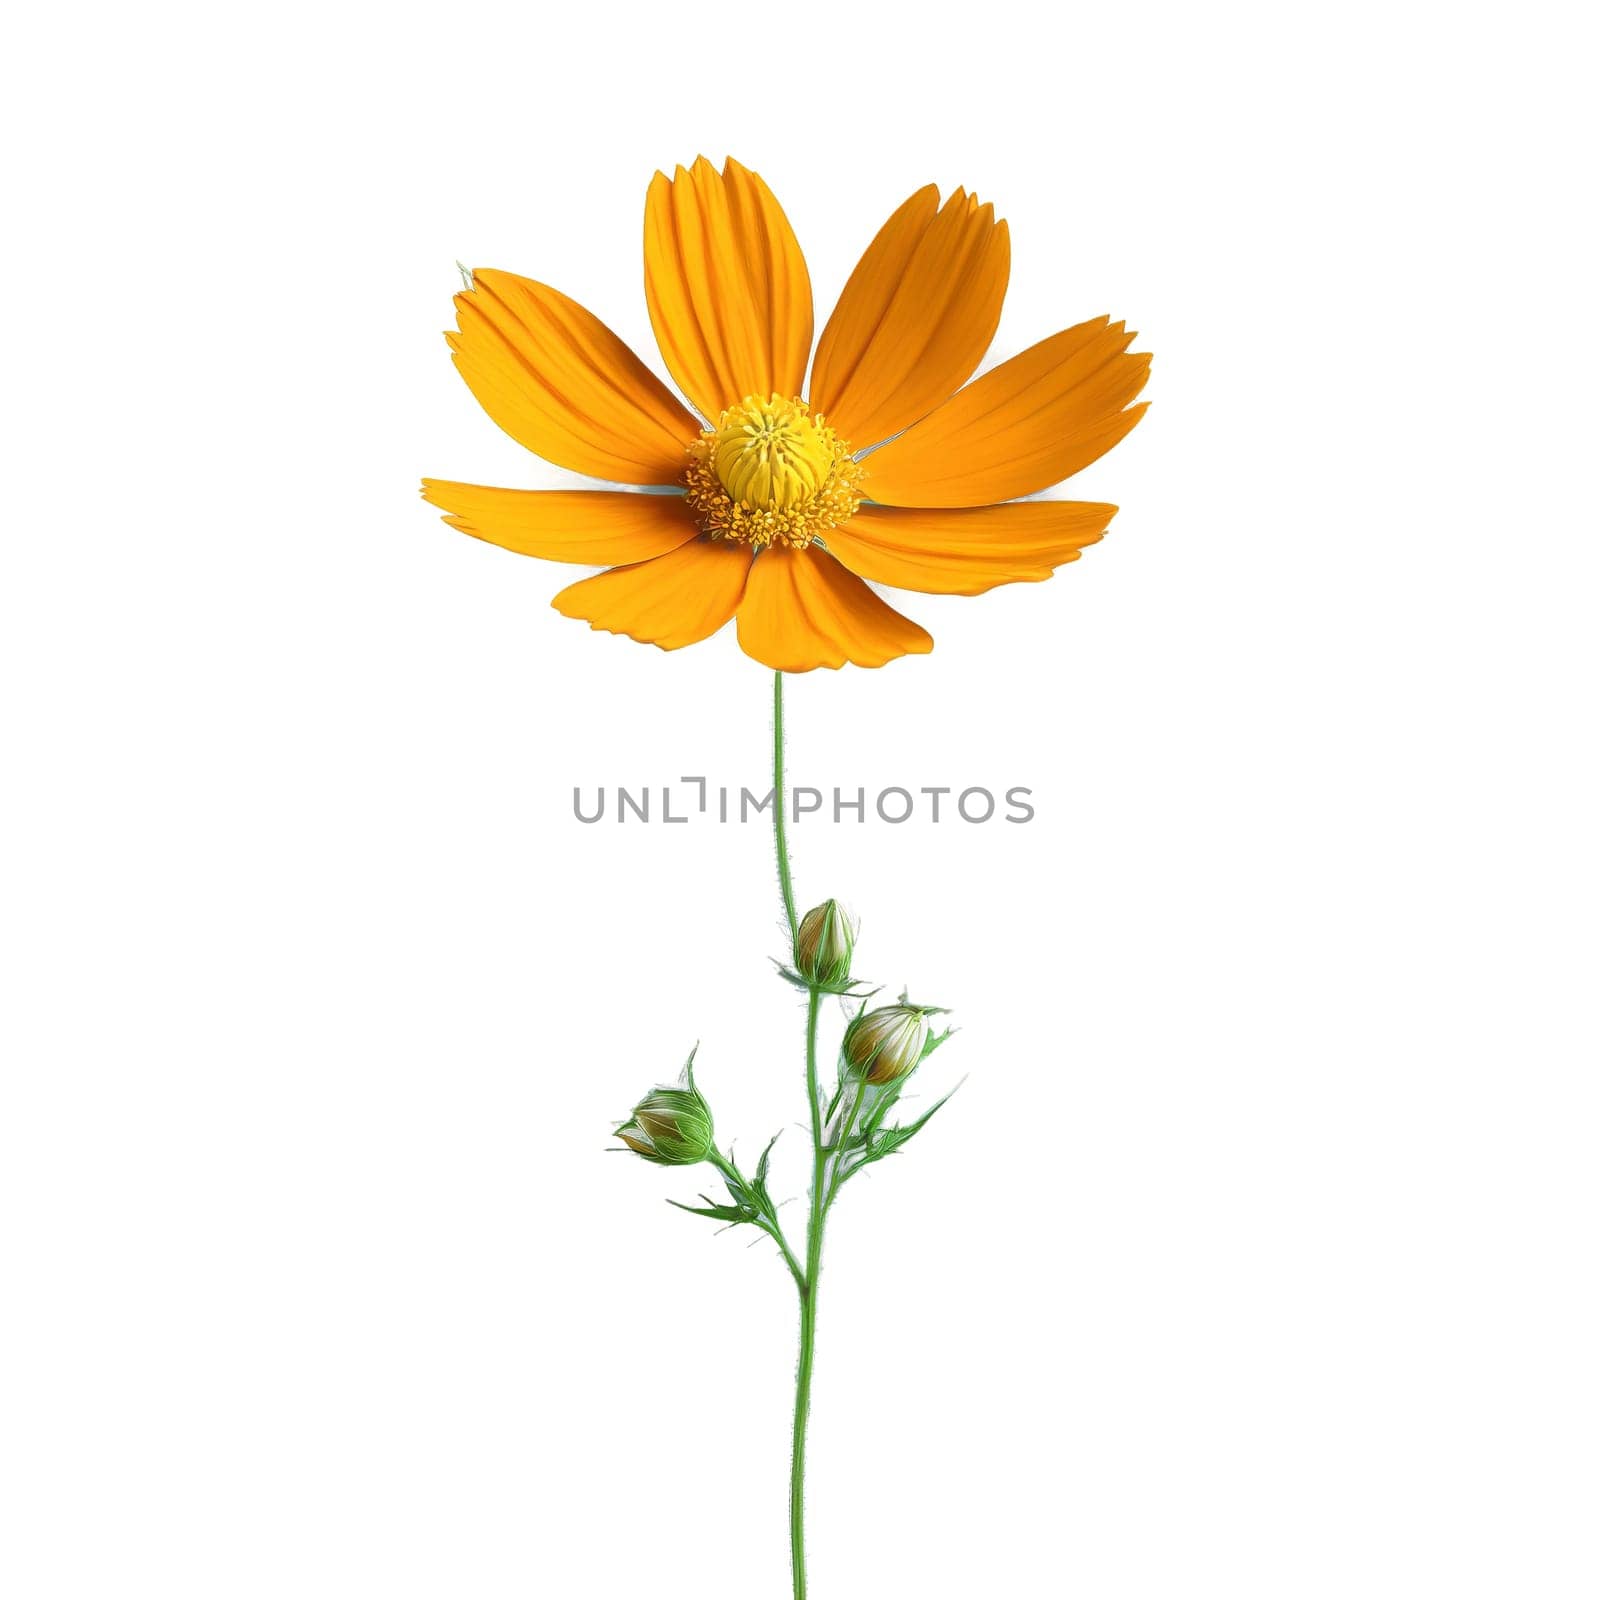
[806, 1282]
[844, 1139]
[768, 1223]
[779, 837]
[808, 1310]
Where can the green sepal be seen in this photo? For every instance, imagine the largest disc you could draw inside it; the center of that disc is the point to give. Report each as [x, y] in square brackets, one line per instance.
[758, 1185]
[854, 989]
[765, 1161]
[891, 1139]
[872, 1142]
[882, 1106]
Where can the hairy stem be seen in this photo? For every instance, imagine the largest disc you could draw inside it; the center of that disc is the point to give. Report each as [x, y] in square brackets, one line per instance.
[808, 1309]
[779, 836]
[806, 1281]
[767, 1221]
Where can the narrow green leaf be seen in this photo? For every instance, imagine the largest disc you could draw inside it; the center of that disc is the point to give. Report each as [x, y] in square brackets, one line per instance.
[729, 1214]
[891, 1139]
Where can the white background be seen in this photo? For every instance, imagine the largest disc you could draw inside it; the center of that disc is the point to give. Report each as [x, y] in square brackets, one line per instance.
[1256, 1258]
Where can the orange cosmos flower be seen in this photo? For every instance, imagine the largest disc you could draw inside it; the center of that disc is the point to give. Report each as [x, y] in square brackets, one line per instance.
[780, 506]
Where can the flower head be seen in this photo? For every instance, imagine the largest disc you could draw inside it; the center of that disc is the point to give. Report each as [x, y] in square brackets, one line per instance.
[784, 502]
[671, 1125]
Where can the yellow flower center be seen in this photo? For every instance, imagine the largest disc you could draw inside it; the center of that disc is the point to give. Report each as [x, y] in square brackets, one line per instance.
[771, 472]
[769, 454]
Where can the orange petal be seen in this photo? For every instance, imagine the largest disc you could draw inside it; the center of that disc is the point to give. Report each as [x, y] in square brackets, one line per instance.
[563, 385]
[967, 551]
[595, 527]
[677, 599]
[801, 610]
[728, 290]
[915, 318]
[1033, 421]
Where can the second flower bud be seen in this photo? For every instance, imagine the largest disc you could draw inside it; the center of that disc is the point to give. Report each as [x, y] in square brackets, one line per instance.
[824, 946]
[882, 1046]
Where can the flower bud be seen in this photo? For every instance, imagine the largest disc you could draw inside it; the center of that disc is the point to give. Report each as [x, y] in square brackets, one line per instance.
[824, 945]
[670, 1126]
[884, 1045]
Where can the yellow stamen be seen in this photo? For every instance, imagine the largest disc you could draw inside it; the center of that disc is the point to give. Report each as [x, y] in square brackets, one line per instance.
[769, 453]
[770, 472]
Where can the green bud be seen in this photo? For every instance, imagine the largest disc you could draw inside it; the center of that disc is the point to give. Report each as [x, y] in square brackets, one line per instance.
[670, 1126]
[824, 945]
[882, 1046]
